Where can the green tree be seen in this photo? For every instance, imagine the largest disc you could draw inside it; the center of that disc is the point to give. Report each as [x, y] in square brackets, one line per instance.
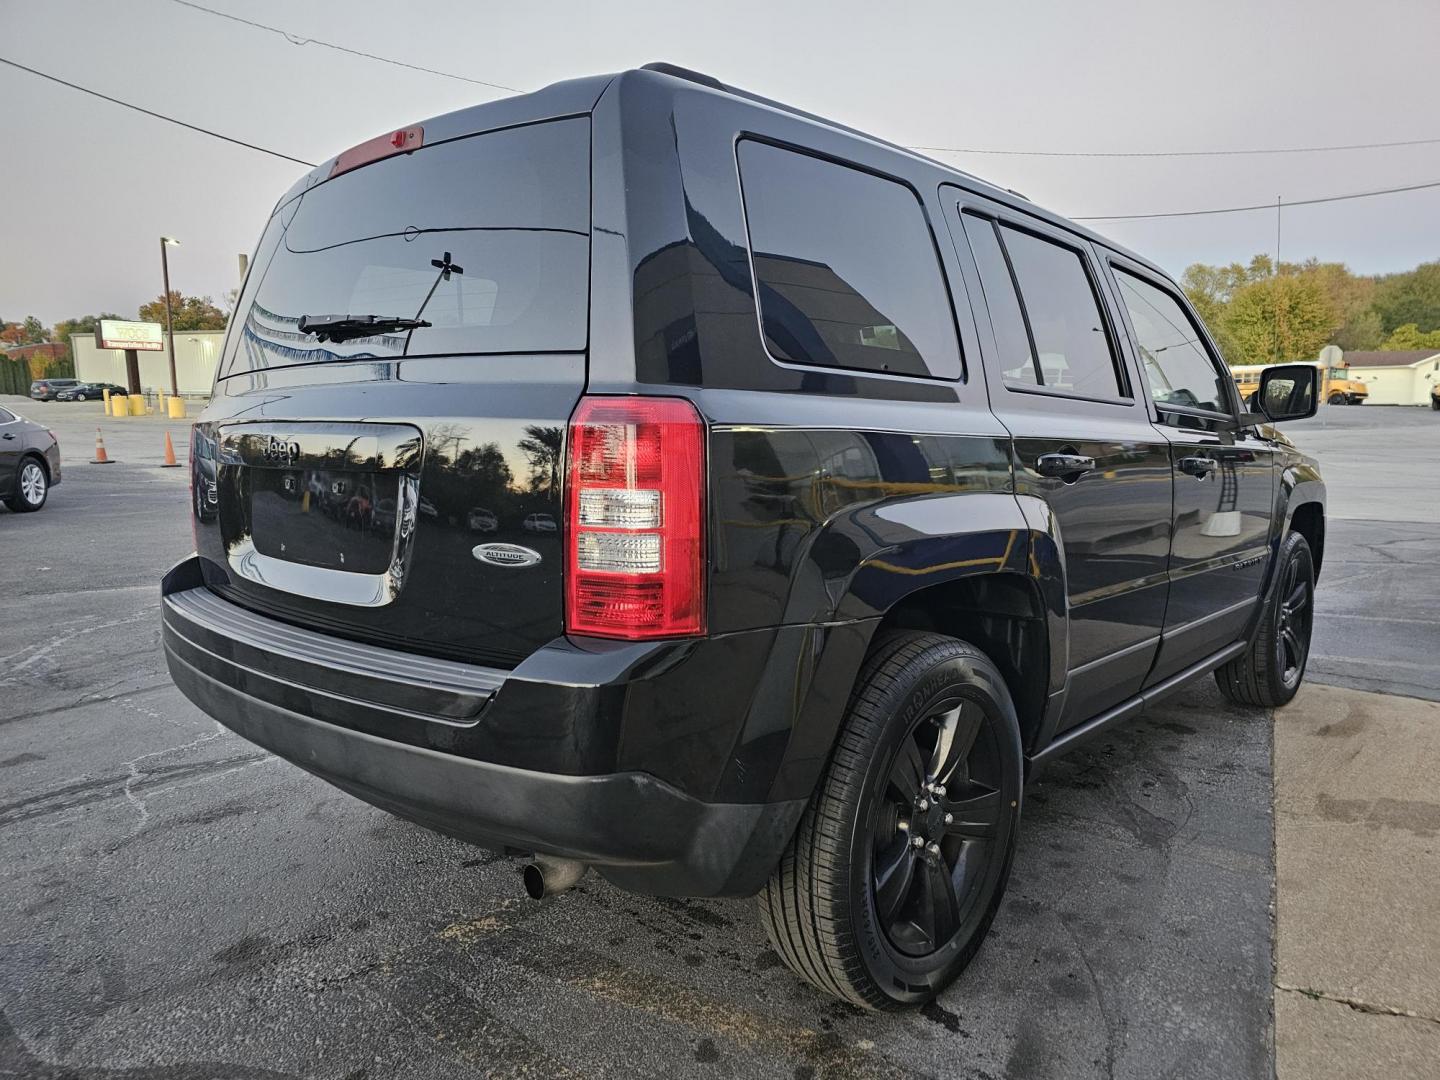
[1351, 297]
[1285, 317]
[190, 312]
[1210, 289]
[1412, 297]
[1410, 336]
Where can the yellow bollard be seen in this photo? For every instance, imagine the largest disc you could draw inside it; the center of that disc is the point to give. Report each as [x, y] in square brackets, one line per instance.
[106, 393]
[137, 405]
[176, 407]
[118, 406]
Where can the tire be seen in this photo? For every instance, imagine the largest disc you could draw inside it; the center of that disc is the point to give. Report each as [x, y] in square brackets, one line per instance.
[80, 397]
[1339, 399]
[32, 487]
[1270, 671]
[855, 907]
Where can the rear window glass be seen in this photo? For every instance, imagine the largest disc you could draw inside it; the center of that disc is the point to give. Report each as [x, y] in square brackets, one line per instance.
[487, 238]
[846, 271]
[1072, 347]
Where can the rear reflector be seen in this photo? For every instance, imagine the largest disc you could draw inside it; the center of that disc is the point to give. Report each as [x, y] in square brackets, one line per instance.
[382, 146]
[635, 514]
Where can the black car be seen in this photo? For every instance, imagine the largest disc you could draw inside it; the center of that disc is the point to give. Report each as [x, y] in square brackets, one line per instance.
[90, 392]
[871, 487]
[29, 462]
[50, 389]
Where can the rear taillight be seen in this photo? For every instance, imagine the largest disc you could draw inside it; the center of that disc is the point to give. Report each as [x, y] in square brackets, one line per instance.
[635, 519]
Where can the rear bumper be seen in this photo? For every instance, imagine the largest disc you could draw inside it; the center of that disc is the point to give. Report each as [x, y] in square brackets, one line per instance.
[638, 831]
[52, 463]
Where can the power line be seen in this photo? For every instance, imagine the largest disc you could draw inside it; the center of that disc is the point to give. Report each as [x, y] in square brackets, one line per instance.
[1261, 206]
[156, 115]
[1092, 217]
[296, 39]
[1169, 153]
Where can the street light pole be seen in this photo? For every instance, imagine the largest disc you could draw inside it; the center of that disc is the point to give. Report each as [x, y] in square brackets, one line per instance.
[165, 242]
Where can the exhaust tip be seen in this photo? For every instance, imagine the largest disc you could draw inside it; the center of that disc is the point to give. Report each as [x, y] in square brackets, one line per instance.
[546, 877]
[534, 879]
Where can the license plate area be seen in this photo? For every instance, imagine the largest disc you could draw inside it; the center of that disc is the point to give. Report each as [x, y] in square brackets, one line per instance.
[327, 518]
[322, 510]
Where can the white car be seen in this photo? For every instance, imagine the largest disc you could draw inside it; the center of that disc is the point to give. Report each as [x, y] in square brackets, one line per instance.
[539, 523]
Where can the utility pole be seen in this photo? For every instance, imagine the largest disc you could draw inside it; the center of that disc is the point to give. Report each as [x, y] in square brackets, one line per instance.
[1277, 235]
[1279, 300]
[165, 242]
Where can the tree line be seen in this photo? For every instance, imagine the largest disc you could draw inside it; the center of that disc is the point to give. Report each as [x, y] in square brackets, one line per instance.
[1258, 313]
[1263, 314]
[189, 313]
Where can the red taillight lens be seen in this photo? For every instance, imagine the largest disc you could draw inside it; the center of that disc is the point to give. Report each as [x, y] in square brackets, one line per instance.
[635, 519]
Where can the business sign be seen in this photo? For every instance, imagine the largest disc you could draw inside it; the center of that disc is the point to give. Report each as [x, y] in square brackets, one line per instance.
[140, 336]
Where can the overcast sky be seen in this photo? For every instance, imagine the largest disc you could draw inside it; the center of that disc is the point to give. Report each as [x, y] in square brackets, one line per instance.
[86, 187]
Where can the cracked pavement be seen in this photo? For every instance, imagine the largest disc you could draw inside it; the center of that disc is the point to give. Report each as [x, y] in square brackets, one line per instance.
[177, 904]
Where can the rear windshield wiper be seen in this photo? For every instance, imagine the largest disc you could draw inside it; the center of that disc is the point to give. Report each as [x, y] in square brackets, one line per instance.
[339, 328]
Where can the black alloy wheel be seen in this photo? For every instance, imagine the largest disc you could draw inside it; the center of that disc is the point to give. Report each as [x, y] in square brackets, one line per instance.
[934, 827]
[1294, 619]
[1271, 669]
[899, 863]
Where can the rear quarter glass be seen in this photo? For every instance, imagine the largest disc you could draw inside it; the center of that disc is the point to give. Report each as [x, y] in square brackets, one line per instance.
[487, 238]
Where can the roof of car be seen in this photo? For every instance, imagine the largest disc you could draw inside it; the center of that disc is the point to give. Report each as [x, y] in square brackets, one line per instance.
[576, 96]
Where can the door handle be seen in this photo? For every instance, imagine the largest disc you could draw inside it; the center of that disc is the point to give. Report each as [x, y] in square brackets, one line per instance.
[8, 435]
[1063, 465]
[1196, 466]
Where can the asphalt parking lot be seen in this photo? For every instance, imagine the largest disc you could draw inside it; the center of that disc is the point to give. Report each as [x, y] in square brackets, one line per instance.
[178, 904]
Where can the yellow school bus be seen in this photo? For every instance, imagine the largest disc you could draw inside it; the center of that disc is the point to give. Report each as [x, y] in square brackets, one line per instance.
[1336, 385]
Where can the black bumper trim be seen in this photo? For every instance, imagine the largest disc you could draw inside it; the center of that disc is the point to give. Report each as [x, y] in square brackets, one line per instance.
[638, 831]
[441, 689]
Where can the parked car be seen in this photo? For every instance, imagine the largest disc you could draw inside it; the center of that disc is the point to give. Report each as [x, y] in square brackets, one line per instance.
[90, 392]
[868, 489]
[49, 389]
[482, 521]
[29, 462]
[204, 476]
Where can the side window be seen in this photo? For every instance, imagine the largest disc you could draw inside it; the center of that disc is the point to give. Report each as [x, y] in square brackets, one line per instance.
[5, 417]
[1178, 368]
[1062, 311]
[846, 270]
[1017, 359]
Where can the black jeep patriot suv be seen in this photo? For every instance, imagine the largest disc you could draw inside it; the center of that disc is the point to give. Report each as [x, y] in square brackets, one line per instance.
[822, 493]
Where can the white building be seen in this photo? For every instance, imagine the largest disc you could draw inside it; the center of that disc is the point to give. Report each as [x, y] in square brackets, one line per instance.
[197, 354]
[1396, 378]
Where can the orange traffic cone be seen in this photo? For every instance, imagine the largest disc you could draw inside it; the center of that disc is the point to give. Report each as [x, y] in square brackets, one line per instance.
[100, 457]
[170, 462]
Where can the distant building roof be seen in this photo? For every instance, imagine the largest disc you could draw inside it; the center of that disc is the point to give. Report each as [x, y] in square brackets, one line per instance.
[1394, 358]
[46, 348]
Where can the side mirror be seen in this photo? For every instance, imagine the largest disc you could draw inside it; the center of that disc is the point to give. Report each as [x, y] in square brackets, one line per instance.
[1287, 392]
